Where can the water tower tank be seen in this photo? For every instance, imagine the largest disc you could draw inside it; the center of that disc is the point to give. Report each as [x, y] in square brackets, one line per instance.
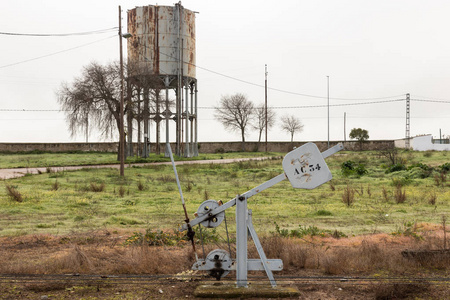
[160, 35]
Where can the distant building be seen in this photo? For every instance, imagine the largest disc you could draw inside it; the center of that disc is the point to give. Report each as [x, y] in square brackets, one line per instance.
[426, 142]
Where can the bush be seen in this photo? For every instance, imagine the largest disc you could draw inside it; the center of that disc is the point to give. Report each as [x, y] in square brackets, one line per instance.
[420, 170]
[395, 168]
[445, 167]
[422, 166]
[351, 168]
[360, 170]
[347, 167]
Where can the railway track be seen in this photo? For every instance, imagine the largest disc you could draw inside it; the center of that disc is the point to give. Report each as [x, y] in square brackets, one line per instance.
[170, 279]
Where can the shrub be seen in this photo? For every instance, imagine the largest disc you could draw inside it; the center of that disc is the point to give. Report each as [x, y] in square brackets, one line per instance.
[420, 170]
[360, 170]
[395, 168]
[445, 167]
[420, 165]
[350, 168]
[347, 167]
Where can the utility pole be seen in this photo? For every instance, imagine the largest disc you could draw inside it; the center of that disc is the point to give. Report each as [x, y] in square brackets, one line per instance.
[328, 107]
[121, 129]
[345, 135]
[266, 105]
[407, 137]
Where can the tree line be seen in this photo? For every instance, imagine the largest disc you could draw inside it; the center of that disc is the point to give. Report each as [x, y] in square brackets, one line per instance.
[92, 100]
[237, 113]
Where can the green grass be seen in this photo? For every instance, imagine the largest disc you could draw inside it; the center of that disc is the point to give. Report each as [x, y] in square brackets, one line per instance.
[33, 160]
[74, 206]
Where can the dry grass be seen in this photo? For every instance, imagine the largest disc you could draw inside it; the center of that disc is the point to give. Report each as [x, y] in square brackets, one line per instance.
[140, 186]
[55, 186]
[432, 198]
[105, 253]
[13, 193]
[400, 194]
[348, 197]
[385, 194]
[94, 187]
[121, 191]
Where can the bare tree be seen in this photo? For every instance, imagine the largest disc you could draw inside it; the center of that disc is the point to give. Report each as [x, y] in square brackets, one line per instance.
[235, 113]
[292, 125]
[260, 119]
[94, 95]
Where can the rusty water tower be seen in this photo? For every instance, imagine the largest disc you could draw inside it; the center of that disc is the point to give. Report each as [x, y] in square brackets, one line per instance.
[161, 56]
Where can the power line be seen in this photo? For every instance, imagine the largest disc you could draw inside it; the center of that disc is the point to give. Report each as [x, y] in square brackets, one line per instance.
[316, 106]
[284, 91]
[429, 100]
[60, 34]
[263, 86]
[271, 107]
[31, 110]
[54, 53]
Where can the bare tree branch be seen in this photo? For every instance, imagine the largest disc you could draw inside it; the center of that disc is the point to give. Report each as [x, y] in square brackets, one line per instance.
[260, 119]
[95, 96]
[235, 113]
[292, 125]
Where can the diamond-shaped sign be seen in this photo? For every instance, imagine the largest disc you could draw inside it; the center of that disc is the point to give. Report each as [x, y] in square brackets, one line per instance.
[305, 167]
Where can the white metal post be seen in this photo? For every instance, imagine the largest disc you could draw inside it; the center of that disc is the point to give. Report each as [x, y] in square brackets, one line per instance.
[241, 241]
[260, 250]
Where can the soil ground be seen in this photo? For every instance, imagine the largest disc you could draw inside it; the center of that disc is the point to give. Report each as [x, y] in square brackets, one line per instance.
[29, 265]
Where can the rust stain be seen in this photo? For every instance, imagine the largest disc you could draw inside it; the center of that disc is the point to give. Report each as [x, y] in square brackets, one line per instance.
[304, 178]
[154, 44]
[156, 26]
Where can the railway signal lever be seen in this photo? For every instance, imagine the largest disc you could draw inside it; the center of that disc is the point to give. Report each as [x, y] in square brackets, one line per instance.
[305, 168]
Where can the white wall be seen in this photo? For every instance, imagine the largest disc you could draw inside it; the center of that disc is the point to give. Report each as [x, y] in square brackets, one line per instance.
[424, 143]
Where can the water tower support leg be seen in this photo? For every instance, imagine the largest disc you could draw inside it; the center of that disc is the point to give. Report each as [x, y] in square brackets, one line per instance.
[241, 241]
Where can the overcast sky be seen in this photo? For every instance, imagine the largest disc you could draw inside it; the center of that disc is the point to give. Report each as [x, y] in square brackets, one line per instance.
[372, 51]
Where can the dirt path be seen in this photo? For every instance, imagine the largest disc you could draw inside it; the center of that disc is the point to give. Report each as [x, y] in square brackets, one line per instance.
[19, 172]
